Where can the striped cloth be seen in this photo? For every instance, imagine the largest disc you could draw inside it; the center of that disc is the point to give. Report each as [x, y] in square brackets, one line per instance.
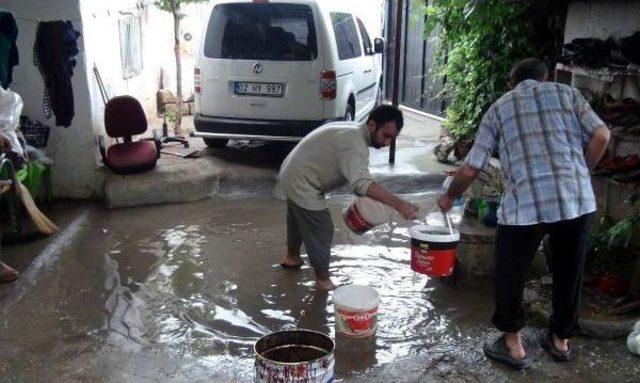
[540, 131]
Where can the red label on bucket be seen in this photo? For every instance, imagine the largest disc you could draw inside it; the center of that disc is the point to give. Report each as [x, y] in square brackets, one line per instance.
[355, 222]
[434, 263]
[360, 323]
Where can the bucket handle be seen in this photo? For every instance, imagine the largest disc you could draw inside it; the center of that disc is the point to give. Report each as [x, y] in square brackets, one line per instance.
[449, 223]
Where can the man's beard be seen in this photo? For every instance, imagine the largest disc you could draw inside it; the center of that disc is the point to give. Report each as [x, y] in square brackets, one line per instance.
[375, 144]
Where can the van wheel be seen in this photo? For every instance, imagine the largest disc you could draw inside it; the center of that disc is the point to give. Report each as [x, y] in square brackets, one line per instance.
[348, 115]
[217, 143]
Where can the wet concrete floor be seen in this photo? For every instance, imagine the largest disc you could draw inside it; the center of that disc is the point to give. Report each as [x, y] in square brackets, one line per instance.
[180, 293]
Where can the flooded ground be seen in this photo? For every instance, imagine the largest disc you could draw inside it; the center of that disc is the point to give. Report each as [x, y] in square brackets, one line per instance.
[181, 293]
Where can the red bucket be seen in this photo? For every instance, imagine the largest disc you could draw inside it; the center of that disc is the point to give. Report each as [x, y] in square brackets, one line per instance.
[354, 220]
[433, 250]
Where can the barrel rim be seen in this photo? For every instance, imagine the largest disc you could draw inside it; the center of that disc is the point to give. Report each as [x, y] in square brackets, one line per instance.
[329, 353]
[441, 238]
[342, 290]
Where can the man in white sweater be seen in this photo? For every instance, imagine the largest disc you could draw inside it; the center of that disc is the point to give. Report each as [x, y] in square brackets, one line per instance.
[329, 157]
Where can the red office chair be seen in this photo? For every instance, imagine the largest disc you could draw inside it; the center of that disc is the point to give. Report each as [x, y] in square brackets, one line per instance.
[124, 117]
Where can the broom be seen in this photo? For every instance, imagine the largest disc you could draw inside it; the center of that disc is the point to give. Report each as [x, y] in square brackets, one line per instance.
[43, 223]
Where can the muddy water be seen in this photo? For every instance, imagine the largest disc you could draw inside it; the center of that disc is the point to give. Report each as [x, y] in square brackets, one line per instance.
[215, 288]
[179, 293]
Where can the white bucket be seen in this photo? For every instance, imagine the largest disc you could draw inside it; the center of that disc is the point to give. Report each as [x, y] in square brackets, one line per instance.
[366, 213]
[433, 250]
[356, 310]
[374, 212]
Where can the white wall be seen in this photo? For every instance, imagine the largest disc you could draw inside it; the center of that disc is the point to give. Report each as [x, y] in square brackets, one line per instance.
[103, 49]
[602, 19]
[72, 149]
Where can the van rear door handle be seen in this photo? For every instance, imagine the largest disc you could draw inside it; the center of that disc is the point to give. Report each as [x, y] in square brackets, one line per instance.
[368, 71]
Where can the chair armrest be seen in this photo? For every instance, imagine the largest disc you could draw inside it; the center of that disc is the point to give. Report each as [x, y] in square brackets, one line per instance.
[103, 149]
[158, 142]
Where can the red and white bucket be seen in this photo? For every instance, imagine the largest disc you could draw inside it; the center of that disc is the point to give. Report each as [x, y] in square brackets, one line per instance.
[364, 214]
[356, 310]
[354, 221]
[433, 250]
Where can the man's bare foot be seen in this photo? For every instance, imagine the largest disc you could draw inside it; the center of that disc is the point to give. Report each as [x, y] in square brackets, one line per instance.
[514, 343]
[325, 285]
[561, 344]
[7, 273]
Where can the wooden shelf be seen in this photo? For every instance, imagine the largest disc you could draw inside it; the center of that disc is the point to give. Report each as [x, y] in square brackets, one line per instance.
[604, 74]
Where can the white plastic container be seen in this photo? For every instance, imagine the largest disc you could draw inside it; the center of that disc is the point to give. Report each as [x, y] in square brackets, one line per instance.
[356, 310]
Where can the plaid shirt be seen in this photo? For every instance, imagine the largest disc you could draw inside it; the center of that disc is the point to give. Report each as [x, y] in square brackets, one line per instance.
[541, 131]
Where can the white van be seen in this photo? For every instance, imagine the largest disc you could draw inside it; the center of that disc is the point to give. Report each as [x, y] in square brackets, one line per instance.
[276, 70]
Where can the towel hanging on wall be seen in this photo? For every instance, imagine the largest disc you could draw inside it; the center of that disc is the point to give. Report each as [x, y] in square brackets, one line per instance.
[54, 54]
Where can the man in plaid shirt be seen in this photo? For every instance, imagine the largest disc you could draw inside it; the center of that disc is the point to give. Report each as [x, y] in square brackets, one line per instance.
[548, 139]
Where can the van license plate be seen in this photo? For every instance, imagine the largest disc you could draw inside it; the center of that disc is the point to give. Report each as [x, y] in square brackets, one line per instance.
[258, 89]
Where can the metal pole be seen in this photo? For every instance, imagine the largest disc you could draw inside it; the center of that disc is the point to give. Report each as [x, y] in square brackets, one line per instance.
[396, 70]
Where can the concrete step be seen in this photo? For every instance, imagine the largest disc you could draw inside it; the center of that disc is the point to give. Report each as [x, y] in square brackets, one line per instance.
[172, 181]
[231, 172]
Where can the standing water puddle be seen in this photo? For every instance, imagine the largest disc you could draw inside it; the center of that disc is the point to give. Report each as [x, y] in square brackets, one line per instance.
[214, 289]
[182, 292]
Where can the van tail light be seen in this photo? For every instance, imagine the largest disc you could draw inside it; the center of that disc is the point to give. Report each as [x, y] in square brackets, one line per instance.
[197, 80]
[328, 85]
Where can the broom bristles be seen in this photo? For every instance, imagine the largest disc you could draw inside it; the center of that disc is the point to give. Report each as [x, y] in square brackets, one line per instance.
[43, 223]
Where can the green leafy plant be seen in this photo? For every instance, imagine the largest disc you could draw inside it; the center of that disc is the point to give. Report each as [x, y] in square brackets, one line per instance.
[171, 116]
[611, 243]
[478, 42]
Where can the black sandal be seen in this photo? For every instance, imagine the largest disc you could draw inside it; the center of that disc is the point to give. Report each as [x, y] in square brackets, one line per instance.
[292, 267]
[499, 351]
[557, 355]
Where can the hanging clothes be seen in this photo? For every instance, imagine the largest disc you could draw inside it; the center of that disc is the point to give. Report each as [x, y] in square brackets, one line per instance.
[54, 54]
[8, 48]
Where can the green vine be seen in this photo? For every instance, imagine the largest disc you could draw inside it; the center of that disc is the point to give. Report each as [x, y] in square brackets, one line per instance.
[478, 42]
[613, 245]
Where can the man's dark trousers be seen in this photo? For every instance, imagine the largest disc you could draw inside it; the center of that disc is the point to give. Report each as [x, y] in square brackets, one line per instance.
[515, 248]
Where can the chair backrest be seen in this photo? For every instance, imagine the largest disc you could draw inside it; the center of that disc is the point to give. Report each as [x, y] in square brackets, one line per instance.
[124, 117]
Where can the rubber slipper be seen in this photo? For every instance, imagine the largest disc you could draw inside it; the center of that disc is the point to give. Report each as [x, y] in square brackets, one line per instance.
[499, 351]
[286, 266]
[557, 355]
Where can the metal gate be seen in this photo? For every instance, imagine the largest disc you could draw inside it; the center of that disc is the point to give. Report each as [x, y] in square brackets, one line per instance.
[418, 87]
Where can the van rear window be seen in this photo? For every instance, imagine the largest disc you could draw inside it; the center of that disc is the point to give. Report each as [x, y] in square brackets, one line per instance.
[250, 31]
